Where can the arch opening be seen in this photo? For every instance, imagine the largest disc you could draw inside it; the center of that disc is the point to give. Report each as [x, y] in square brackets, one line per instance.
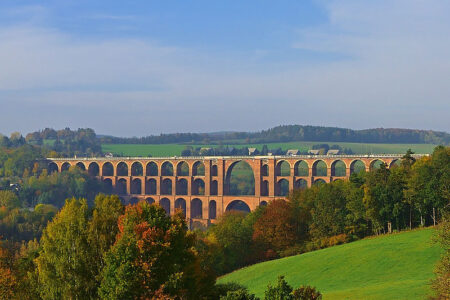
[167, 169]
[214, 187]
[122, 169]
[301, 184]
[150, 200]
[121, 186]
[136, 186]
[137, 169]
[150, 187]
[301, 168]
[338, 168]
[376, 164]
[151, 169]
[265, 170]
[319, 182]
[52, 167]
[239, 180]
[65, 167]
[265, 188]
[133, 200]
[165, 203]
[166, 187]
[282, 188]
[263, 203]
[93, 169]
[182, 169]
[198, 187]
[238, 205]
[81, 166]
[357, 166]
[108, 185]
[198, 169]
[180, 204]
[395, 163]
[196, 209]
[283, 168]
[107, 169]
[182, 187]
[214, 170]
[212, 210]
[319, 168]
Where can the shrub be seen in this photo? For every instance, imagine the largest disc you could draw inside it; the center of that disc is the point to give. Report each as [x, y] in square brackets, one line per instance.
[306, 293]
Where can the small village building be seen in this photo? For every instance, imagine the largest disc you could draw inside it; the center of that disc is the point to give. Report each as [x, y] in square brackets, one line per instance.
[333, 152]
[292, 152]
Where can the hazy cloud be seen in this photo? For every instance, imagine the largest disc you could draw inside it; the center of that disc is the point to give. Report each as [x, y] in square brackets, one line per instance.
[393, 71]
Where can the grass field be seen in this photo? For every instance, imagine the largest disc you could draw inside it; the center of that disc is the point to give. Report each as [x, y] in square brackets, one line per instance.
[175, 149]
[397, 266]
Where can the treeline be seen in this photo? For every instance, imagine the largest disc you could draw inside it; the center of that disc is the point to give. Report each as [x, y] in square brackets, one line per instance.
[294, 133]
[67, 142]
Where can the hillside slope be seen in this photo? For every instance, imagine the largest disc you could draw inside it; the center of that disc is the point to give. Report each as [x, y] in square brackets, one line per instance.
[397, 266]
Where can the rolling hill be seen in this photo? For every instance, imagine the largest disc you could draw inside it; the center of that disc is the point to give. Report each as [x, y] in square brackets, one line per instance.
[397, 266]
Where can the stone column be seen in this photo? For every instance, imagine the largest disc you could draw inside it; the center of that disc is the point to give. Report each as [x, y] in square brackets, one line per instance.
[256, 166]
[220, 177]
[207, 177]
[272, 177]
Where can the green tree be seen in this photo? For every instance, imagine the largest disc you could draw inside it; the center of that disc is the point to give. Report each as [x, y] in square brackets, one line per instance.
[441, 283]
[102, 229]
[66, 264]
[9, 200]
[233, 233]
[281, 291]
[241, 294]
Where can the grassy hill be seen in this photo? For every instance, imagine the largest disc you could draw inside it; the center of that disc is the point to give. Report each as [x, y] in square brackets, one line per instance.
[175, 149]
[397, 266]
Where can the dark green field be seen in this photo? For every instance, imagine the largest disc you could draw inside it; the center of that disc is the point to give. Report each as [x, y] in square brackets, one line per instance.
[397, 266]
[175, 149]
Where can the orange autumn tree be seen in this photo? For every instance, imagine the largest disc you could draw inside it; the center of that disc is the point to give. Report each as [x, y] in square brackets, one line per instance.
[153, 257]
[8, 281]
[278, 229]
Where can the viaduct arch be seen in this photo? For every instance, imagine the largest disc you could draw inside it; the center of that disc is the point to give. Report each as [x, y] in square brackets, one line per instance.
[199, 186]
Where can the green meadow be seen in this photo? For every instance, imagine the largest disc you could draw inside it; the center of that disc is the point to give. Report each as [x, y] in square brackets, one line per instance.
[396, 266]
[175, 149]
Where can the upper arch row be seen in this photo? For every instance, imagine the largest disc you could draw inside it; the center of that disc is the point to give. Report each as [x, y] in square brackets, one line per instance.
[197, 168]
[136, 168]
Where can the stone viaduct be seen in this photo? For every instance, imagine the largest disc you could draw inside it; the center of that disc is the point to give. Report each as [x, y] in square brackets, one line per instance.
[200, 186]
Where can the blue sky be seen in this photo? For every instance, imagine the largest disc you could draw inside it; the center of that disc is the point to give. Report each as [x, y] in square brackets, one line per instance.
[144, 67]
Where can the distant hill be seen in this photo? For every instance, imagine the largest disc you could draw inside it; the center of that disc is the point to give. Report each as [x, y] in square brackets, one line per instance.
[294, 133]
[398, 266]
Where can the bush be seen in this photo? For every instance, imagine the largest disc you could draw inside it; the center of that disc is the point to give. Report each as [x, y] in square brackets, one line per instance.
[306, 293]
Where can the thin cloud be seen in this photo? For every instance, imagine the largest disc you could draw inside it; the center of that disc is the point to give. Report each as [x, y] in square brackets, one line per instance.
[393, 72]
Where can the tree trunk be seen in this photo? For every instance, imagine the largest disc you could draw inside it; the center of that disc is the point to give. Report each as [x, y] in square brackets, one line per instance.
[434, 216]
[410, 217]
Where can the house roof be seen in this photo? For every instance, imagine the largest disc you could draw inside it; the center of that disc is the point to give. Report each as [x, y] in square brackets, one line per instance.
[333, 152]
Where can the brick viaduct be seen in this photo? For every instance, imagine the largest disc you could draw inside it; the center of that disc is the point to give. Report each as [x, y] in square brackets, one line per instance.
[200, 186]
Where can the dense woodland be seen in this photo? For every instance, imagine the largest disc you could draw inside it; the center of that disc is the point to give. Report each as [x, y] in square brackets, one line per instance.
[139, 252]
[65, 142]
[294, 133]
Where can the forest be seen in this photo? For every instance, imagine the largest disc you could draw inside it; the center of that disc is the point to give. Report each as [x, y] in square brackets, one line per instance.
[293, 133]
[137, 251]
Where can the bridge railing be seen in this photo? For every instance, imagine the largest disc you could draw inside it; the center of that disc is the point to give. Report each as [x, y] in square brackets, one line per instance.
[277, 157]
